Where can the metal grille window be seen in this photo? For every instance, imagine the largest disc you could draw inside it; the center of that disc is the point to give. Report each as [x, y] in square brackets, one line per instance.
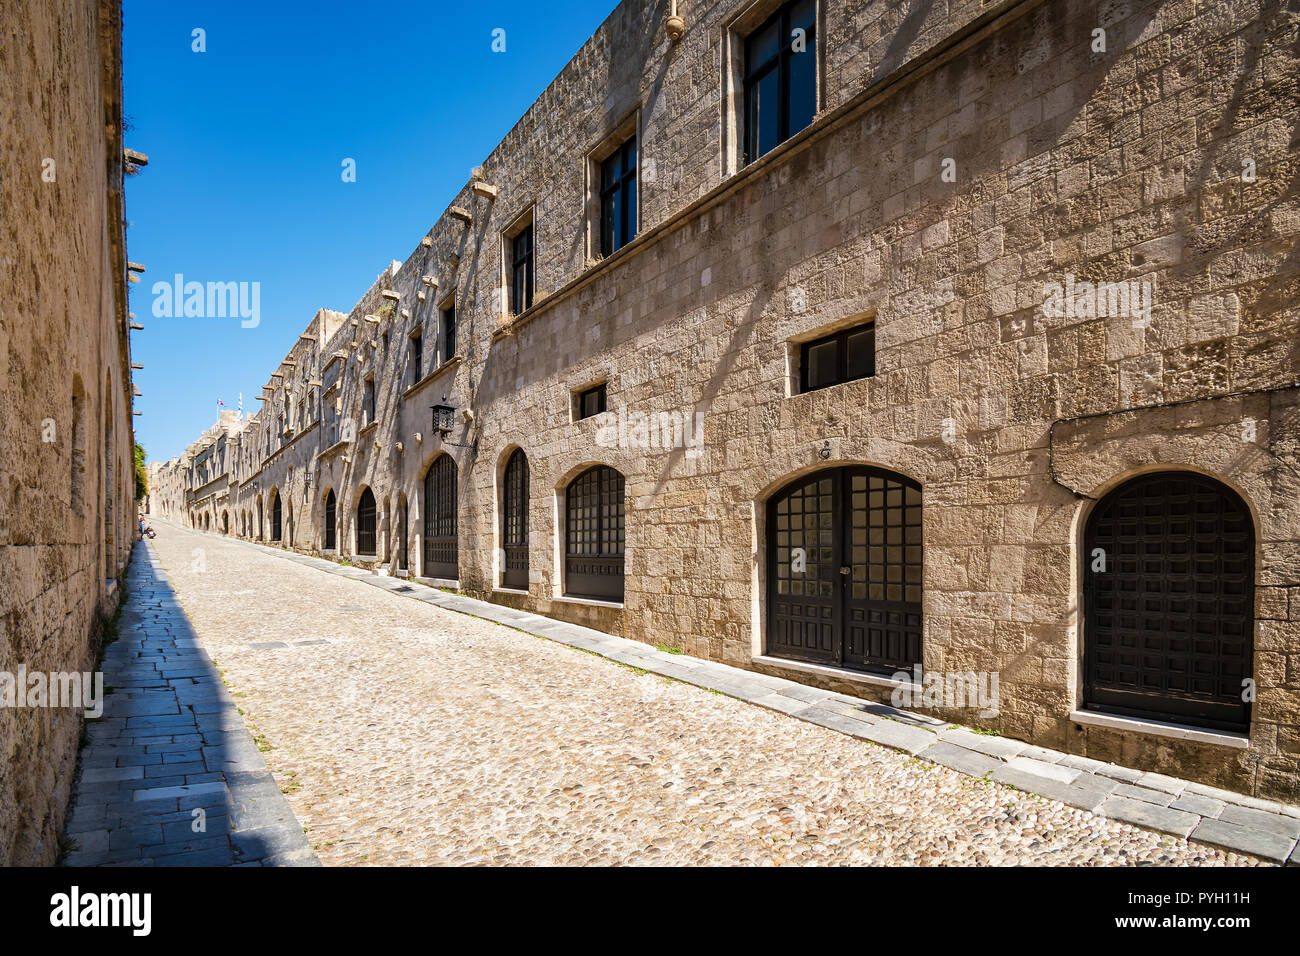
[440, 549]
[366, 524]
[331, 508]
[594, 535]
[514, 522]
[842, 357]
[449, 332]
[780, 77]
[1169, 601]
[845, 570]
[521, 270]
[618, 198]
[592, 401]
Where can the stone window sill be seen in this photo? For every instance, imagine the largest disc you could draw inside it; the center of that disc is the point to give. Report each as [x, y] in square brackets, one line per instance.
[589, 602]
[449, 364]
[836, 673]
[1156, 728]
[505, 590]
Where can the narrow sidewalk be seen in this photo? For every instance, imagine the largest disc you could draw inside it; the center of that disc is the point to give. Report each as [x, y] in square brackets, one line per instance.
[1219, 818]
[170, 775]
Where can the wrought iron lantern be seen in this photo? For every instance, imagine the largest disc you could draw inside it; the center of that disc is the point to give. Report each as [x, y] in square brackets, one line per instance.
[444, 419]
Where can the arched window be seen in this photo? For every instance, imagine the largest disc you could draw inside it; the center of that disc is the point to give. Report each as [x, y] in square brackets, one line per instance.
[366, 523]
[593, 535]
[844, 570]
[1169, 601]
[331, 507]
[441, 559]
[514, 522]
[277, 518]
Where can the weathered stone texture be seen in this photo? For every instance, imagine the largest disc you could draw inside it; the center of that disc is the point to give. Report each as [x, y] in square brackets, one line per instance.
[1109, 166]
[66, 481]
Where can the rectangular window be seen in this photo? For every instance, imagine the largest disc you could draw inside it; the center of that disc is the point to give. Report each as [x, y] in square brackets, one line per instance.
[368, 406]
[521, 270]
[417, 357]
[449, 332]
[842, 357]
[618, 198]
[780, 77]
[592, 401]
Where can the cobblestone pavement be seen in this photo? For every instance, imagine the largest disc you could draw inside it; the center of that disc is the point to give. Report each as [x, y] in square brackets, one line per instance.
[404, 733]
[169, 775]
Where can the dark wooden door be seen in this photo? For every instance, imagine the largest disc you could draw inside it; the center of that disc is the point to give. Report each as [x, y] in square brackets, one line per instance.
[1169, 572]
[514, 522]
[331, 512]
[440, 551]
[844, 570]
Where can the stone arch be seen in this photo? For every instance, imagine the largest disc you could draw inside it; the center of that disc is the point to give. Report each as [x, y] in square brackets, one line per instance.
[1168, 579]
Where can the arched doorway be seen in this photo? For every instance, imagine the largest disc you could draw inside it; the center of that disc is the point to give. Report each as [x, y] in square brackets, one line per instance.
[1169, 601]
[277, 517]
[514, 522]
[331, 509]
[594, 535]
[441, 559]
[225, 522]
[844, 570]
[366, 524]
[403, 558]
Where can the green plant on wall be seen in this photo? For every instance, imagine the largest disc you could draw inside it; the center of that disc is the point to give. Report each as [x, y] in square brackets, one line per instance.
[141, 479]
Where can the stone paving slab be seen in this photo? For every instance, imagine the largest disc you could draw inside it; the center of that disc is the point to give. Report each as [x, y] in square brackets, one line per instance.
[1122, 793]
[170, 772]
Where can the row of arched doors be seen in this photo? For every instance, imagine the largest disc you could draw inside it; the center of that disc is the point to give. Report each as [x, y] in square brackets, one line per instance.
[1168, 575]
[1168, 605]
[594, 539]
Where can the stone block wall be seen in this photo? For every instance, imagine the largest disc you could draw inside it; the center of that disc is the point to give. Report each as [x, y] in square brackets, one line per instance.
[966, 158]
[67, 487]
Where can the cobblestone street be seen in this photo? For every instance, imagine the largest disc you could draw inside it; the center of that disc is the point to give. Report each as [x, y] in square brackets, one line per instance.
[403, 733]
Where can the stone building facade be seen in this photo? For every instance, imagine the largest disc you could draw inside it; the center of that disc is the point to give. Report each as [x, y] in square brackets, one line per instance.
[66, 480]
[862, 343]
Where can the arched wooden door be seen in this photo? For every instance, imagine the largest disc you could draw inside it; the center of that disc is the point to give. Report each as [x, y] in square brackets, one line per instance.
[277, 519]
[514, 522]
[1169, 601]
[440, 553]
[331, 521]
[844, 570]
[366, 541]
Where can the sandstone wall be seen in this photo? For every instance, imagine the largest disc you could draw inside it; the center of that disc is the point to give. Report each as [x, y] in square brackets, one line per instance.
[66, 480]
[1109, 165]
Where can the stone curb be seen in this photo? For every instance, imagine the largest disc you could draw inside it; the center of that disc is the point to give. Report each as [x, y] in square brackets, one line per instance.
[171, 749]
[1180, 808]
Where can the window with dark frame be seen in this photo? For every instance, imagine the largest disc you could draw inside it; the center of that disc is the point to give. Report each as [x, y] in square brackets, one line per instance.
[521, 270]
[594, 535]
[618, 198]
[449, 332]
[417, 357]
[844, 356]
[368, 401]
[591, 401]
[780, 77]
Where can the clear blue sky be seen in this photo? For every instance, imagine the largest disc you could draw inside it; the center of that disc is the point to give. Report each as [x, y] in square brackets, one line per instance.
[246, 142]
